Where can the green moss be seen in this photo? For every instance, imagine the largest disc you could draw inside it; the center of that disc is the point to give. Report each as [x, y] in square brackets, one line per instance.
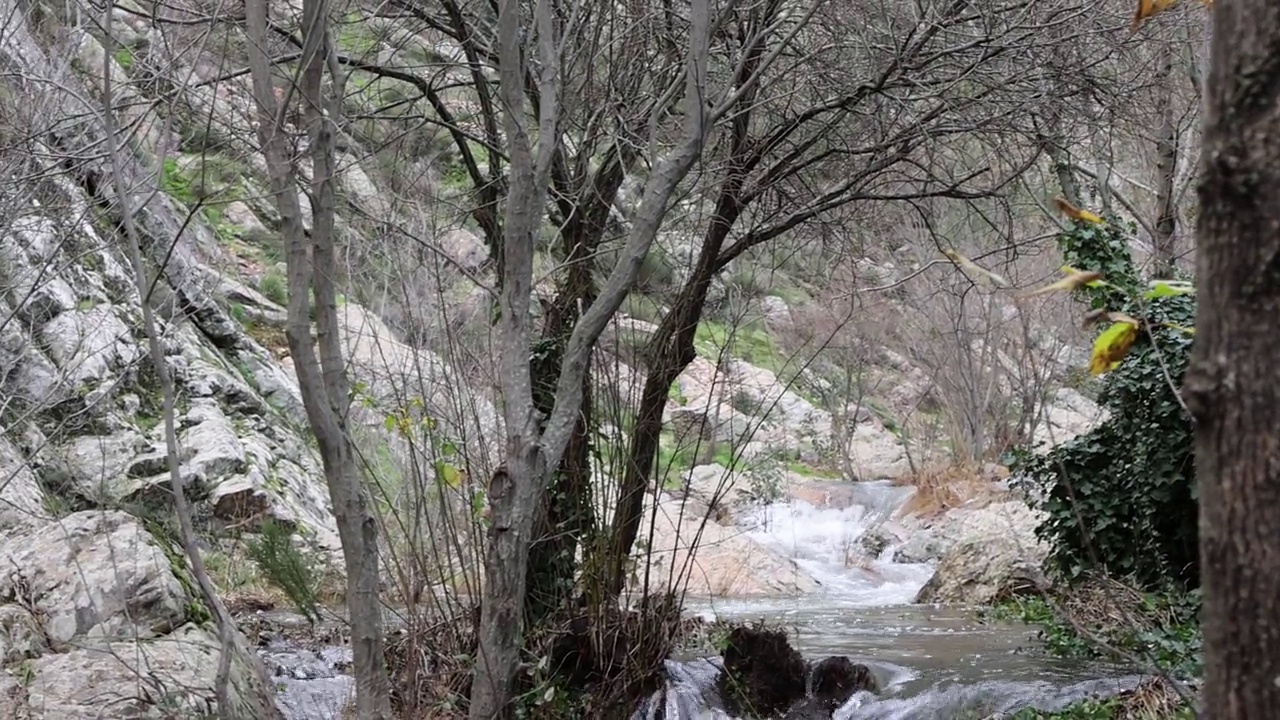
[194, 609]
[353, 36]
[674, 460]
[747, 343]
[807, 470]
[124, 58]
[674, 394]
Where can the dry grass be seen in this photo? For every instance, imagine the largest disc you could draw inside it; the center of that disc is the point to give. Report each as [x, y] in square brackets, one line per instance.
[604, 662]
[1101, 601]
[1155, 698]
[945, 487]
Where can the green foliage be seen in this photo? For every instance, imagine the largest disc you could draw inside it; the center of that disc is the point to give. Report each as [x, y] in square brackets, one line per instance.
[1162, 630]
[674, 459]
[124, 58]
[284, 566]
[273, 287]
[711, 340]
[1121, 498]
[1103, 709]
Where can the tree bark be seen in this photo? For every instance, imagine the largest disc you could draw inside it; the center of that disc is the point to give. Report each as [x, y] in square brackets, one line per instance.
[1231, 386]
[1166, 224]
[322, 380]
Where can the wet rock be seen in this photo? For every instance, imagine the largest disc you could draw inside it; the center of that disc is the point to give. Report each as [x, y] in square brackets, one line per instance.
[837, 678]
[832, 681]
[763, 675]
[996, 554]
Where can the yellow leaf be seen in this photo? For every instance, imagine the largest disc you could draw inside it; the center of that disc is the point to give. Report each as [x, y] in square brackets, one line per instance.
[1147, 8]
[1183, 328]
[1111, 346]
[1074, 212]
[1076, 279]
[970, 266]
[1167, 288]
[1096, 316]
[448, 474]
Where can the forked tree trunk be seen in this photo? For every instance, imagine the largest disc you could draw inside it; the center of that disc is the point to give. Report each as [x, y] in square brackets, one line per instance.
[322, 379]
[1231, 385]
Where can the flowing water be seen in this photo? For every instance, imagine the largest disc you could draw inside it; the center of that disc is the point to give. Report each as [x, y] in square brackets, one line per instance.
[932, 663]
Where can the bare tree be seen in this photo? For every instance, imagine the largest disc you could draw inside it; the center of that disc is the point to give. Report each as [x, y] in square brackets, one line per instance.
[1230, 384]
[312, 271]
[516, 489]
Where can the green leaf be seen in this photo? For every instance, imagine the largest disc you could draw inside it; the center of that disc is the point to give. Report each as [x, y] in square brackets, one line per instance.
[389, 422]
[448, 474]
[1169, 288]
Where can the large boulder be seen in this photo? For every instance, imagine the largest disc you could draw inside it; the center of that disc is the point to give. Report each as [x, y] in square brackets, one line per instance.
[711, 560]
[995, 553]
[100, 615]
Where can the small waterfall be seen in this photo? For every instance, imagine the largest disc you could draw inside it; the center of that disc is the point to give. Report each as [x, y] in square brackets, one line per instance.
[930, 662]
[825, 543]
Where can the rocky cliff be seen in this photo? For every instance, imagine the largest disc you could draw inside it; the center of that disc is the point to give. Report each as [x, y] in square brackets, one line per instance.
[94, 586]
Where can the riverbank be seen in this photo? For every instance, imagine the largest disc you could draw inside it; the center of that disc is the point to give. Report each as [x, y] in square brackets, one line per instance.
[929, 661]
[1109, 620]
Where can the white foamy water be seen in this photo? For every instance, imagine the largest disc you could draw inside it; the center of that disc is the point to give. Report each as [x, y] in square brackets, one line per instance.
[825, 542]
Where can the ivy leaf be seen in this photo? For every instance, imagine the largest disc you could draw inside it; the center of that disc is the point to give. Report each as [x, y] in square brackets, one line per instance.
[1076, 213]
[1111, 346]
[1169, 288]
[1075, 279]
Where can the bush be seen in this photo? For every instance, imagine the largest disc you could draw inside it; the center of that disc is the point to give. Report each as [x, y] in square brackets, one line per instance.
[1122, 499]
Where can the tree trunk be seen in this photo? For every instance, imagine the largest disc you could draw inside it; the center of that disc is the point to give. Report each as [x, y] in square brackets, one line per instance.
[322, 380]
[669, 351]
[1231, 386]
[1167, 168]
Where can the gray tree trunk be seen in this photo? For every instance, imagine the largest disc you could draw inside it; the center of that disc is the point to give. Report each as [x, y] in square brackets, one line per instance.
[1231, 385]
[323, 381]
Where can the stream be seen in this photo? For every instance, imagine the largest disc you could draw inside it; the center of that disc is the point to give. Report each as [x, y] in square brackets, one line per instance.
[931, 662]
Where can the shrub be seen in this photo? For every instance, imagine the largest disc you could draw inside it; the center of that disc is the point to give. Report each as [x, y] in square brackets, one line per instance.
[1122, 497]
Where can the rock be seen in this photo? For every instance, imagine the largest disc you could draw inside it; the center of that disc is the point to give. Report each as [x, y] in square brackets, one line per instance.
[763, 675]
[1067, 415]
[727, 563]
[981, 572]
[171, 677]
[21, 502]
[929, 541]
[996, 553]
[836, 679]
[89, 345]
[875, 453]
[716, 487]
[702, 427]
[95, 609]
[775, 310]
[824, 493]
[464, 247]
